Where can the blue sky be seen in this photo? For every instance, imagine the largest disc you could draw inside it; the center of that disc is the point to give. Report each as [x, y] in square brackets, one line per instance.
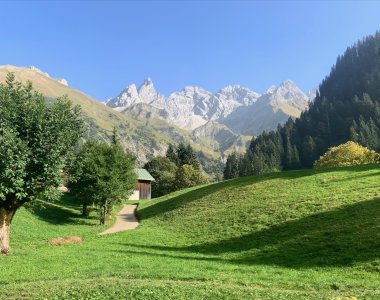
[101, 47]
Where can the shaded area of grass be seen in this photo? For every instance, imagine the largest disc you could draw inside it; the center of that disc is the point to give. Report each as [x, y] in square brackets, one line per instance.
[293, 235]
[341, 237]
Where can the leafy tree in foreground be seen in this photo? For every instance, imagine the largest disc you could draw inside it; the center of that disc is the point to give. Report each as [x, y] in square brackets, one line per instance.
[103, 174]
[347, 154]
[36, 141]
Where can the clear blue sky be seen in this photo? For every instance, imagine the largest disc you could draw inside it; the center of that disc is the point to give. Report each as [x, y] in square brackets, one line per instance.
[100, 47]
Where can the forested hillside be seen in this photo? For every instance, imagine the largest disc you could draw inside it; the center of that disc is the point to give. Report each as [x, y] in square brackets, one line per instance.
[347, 107]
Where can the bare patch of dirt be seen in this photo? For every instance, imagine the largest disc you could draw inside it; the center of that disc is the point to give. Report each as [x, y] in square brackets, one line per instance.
[65, 240]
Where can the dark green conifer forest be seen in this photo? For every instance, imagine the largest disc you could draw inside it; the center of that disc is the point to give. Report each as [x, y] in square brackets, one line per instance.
[346, 107]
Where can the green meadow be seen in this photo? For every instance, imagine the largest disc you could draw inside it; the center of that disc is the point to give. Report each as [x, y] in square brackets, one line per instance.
[310, 234]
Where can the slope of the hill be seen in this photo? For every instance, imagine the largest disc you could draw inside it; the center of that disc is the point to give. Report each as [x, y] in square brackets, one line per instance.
[291, 235]
[144, 138]
[296, 219]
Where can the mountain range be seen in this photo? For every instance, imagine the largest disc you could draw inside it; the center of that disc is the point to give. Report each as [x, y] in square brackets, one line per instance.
[147, 121]
[240, 110]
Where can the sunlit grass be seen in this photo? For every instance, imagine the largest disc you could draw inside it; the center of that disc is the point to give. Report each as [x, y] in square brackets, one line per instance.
[292, 235]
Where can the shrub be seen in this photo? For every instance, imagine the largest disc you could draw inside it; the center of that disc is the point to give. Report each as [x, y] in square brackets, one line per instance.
[188, 176]
[347, 154]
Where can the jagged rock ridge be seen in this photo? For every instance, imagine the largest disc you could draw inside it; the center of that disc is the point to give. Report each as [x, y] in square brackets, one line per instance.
[243, 111]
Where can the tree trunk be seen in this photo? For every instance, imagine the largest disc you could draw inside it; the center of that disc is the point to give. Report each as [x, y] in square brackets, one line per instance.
[103, 213]
[84, 210]
[6, 217]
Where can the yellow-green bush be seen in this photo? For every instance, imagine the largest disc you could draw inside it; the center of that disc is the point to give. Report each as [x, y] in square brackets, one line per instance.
[347, 154]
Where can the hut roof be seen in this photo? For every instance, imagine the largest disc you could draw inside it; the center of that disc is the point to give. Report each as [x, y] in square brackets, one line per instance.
[143, 174]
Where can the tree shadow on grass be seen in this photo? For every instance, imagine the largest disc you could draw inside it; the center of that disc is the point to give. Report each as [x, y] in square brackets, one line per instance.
[340, 237]
[58, 212]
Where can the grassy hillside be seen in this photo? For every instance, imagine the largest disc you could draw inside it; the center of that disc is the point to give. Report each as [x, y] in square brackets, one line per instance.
[291, 235]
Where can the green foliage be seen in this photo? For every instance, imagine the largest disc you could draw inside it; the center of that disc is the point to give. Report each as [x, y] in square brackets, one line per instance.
[348, 154]
[171, 154]
[186, 156]
[182, 155]
[187, 176]
[36, 142]
[180, 168]
[102, 174]
[233, 166]
[163, 171]
[266, 153]
[212, 167]
[115, 139]
[310, 234]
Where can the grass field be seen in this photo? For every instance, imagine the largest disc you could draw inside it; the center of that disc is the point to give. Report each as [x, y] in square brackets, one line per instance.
[292, 235]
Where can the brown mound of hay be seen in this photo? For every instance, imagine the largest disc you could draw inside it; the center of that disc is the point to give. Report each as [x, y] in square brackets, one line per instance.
[65, 240]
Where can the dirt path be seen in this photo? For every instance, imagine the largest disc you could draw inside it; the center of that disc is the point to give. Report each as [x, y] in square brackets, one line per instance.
[125, 220]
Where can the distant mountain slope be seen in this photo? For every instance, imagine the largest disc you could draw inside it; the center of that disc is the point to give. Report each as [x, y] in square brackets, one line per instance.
[240, 109]
[274, 107]
[144, 136]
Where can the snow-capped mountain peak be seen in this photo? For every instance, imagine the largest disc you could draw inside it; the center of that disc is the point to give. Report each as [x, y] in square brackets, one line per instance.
[271, 89]
[194, 106]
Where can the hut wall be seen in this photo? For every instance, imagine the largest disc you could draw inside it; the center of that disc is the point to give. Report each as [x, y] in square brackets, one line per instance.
[144, 188]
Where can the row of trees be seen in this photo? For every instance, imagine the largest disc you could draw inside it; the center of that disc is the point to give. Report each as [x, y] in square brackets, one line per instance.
[39, 143]
[347, 107]
[178, 169]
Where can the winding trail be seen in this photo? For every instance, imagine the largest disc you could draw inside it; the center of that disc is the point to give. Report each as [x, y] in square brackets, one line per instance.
[125, 220]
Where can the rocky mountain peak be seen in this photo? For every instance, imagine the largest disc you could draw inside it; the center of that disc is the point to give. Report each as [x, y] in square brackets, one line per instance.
[271, 89]
[286, 91]
[147, 82]
[194, 106]
[288, 84]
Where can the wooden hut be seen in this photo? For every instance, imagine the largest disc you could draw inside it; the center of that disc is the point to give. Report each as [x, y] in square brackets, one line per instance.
[143, 186]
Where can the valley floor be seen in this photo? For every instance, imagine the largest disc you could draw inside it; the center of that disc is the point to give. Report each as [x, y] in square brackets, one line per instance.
[291, 235]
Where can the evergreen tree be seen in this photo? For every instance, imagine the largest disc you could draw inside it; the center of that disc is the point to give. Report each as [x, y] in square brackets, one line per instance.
[171, 154]
[191, 158]
[181, 154]
[115, 140]
[231, 169]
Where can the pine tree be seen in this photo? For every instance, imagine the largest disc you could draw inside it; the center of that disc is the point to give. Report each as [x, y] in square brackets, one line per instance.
[115, 140]
[171, 154]
[231, 169]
